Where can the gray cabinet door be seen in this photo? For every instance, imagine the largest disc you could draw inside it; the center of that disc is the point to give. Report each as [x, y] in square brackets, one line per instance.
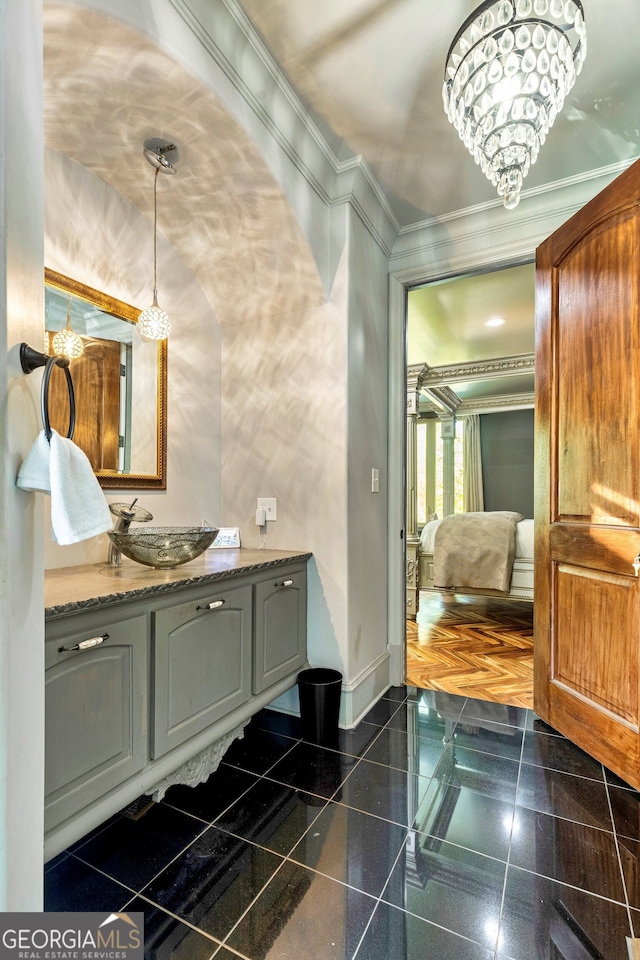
[201, 664]
[280, 626]
[95, 711]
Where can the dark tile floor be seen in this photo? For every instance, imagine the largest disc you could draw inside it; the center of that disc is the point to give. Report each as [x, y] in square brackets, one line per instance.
[442, 828]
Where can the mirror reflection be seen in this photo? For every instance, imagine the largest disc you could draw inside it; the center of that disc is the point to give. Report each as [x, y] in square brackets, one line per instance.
[119, 381]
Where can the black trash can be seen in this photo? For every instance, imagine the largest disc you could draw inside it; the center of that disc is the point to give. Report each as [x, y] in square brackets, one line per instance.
[319, 690]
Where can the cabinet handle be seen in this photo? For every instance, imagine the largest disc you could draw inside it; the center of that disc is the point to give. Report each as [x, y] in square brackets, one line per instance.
[285, 583]
[212, 606]
[85, 644]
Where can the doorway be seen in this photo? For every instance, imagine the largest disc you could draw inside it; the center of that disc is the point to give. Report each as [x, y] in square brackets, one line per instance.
[469, 353]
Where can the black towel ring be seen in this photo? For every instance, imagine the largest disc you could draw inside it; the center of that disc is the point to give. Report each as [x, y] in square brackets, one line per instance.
[29, 360]
[51, 363]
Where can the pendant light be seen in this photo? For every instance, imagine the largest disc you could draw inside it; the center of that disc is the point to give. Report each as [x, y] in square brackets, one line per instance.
[153, 322]
[67, 343]
[508, 71]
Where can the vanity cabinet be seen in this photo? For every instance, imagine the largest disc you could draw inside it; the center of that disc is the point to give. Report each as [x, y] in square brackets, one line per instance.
[96, 710]
[146, 691]
[202, 664]
[280, 626]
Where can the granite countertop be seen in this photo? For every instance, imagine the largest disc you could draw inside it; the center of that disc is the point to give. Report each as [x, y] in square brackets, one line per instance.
[72, 589]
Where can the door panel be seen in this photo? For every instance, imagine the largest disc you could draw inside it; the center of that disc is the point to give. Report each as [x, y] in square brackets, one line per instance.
[586, 627]
[596, 291]
[593, 657]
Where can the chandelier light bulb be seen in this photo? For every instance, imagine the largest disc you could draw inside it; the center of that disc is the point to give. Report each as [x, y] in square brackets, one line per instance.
[67, 343]
[507, 75]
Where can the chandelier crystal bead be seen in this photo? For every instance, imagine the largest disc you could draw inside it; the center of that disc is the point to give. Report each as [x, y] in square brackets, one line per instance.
[507, 75]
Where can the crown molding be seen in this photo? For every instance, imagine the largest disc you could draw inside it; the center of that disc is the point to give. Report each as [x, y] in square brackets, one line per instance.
[514, 401]
[477, 370]
[442, 400]
[416, 373]
[335, 182]
[609, 171]
[488, 234]
[267, 76]
[366, 171]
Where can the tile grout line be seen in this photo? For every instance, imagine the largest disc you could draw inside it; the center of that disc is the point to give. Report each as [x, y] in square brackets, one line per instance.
[409, 829]
[187, 923]
[506, 872]
[288, 859]
[104, 874]
[206, 826]
[615, 839]
[378, 899]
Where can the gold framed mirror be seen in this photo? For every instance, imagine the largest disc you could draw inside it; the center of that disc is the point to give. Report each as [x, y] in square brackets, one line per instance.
[120, 385]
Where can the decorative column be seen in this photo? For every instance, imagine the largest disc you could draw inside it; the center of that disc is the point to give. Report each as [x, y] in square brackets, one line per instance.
[446, 402]
[448, 427]
[415, 376]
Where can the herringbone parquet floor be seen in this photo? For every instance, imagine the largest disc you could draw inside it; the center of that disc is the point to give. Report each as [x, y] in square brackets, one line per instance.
[478, 647]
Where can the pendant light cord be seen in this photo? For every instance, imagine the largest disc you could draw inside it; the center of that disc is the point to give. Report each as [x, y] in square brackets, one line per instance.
[155, 233]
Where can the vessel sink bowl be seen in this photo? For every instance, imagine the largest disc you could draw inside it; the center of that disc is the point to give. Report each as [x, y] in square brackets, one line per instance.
[163, 547]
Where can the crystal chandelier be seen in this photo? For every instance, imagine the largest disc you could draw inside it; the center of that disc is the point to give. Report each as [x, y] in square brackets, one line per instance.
[153, 322]
[67, 343]
[507, 73]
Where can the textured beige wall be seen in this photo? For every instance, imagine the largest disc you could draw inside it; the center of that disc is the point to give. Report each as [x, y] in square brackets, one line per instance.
[96, 236]
[108, 87]
[270, 251]
[284, 436]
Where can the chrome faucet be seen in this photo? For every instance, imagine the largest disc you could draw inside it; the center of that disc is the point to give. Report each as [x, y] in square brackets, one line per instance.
[125, 514]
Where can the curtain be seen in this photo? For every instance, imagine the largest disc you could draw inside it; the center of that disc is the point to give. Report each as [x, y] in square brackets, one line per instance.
[473, 494]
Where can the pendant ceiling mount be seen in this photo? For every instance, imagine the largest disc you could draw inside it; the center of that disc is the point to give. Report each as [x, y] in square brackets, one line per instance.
[161, 154]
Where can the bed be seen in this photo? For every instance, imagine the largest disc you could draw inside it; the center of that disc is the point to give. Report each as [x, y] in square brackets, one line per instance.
[521, 580]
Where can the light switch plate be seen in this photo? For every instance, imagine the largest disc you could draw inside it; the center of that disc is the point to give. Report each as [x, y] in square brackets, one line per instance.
[268, 504]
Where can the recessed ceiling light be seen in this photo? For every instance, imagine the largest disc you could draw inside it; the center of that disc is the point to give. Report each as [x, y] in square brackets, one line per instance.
[495, 322]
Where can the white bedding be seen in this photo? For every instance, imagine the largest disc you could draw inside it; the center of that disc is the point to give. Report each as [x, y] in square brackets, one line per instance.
[524, 538]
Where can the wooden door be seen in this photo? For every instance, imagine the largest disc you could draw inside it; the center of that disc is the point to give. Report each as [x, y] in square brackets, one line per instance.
[587, 634]
[96, 383]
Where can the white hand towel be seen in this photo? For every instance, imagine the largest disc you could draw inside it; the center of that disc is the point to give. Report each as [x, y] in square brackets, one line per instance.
[78, 506]
[34, 472]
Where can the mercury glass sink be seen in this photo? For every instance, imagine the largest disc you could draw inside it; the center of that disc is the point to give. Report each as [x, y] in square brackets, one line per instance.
[163, 547]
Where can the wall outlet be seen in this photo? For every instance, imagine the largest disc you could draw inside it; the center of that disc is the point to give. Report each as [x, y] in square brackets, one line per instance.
[268, 504]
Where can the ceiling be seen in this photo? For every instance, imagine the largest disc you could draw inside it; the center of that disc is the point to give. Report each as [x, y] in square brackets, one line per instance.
[106, 89]
[446, 320]
[447, 327]
[372, 70]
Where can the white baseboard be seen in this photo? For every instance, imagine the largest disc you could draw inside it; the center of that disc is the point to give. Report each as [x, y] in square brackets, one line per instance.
[359, 695]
